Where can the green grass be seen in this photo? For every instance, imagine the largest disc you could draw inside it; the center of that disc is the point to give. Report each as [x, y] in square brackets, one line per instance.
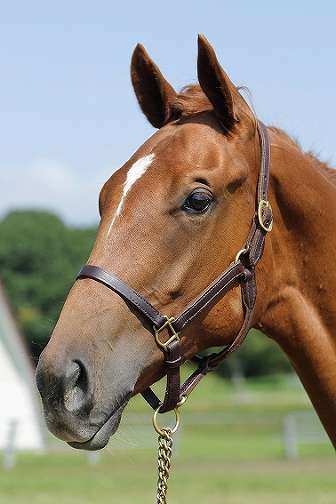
[130, 478]
[230, 451]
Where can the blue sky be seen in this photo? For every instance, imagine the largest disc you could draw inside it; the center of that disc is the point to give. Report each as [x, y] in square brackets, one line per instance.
[68, 116]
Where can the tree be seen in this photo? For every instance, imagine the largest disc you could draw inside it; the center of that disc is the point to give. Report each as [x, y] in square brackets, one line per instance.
[258, 356]
[39, 258]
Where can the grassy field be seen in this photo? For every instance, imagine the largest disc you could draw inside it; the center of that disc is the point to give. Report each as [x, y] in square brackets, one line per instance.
[229, 451]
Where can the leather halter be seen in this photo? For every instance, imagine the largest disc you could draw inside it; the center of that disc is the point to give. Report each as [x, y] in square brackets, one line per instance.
[240, 271]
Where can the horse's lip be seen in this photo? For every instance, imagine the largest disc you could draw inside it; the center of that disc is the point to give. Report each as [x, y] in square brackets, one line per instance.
[102, 436]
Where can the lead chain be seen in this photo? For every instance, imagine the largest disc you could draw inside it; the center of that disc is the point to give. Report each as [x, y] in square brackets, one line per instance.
[165, 440]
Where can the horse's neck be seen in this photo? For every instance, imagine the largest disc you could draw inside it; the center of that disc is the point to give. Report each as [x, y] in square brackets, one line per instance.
[300, 313]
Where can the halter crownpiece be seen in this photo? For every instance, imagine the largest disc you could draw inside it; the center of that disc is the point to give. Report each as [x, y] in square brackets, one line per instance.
[241, 271]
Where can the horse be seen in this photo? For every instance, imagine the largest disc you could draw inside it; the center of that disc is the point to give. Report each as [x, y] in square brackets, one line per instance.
[172, 219]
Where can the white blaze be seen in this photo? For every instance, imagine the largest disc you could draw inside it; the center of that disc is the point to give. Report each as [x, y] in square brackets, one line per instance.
[134, 173]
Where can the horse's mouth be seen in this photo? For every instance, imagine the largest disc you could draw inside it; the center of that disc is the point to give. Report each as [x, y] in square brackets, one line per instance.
[102, 436]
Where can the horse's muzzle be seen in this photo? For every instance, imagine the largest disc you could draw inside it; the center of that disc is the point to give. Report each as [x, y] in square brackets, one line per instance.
[72, 412]
[66, 390]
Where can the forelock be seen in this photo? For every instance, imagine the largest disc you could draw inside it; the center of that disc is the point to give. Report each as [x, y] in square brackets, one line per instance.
[191, 100]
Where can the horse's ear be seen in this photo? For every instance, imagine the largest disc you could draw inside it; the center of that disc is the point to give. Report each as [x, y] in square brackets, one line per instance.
[155, 95]
[216, 85]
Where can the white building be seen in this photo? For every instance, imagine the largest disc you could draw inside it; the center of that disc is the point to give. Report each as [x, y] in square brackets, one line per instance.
[20, 416]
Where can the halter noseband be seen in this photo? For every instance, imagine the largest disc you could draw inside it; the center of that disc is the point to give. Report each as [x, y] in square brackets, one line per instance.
[241, 271]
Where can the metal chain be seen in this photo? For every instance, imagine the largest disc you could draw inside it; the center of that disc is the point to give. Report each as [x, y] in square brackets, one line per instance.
[164, 455]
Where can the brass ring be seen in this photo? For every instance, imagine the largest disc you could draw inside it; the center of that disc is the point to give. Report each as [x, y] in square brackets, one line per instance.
[182, 401]
[159, 429]
[241, 252]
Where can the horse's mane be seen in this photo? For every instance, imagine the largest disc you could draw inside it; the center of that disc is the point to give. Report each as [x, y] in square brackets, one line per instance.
[322, 166]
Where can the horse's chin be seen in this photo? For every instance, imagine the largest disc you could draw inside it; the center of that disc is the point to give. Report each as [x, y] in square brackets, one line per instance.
[100, 439]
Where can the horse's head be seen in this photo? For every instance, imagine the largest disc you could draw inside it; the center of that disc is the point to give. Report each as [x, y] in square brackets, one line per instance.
[172, 219]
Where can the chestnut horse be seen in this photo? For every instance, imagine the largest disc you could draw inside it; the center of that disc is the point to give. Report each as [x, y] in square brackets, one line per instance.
[172, 219]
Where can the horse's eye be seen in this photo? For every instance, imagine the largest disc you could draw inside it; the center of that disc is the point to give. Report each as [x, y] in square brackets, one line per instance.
[198, 201]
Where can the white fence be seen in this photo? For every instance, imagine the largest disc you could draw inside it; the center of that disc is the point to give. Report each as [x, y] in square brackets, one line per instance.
[301, 428]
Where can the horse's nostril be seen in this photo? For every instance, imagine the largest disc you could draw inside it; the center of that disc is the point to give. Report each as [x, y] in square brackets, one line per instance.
[76, 386]
[72, 375]
[76, 376]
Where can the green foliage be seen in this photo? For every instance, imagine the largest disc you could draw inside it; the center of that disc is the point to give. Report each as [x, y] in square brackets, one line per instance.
[258, 356]
[39, 257]
[261, 355]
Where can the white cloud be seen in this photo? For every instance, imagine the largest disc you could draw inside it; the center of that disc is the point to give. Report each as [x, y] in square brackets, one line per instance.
[51, 185]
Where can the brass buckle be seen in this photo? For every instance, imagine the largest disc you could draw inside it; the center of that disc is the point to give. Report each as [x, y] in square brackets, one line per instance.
[169, 325]
[262, 205]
